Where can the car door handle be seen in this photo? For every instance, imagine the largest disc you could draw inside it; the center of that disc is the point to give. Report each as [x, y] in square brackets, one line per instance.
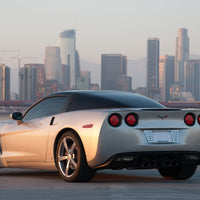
[52, 120]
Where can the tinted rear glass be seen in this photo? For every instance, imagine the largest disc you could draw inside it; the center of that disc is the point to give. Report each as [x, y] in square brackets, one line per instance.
[112, 100]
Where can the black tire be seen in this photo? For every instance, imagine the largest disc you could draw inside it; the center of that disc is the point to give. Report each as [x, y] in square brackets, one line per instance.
[181, 172]
[71, 160]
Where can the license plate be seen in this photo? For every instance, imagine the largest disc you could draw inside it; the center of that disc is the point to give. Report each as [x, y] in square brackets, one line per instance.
[161, 136]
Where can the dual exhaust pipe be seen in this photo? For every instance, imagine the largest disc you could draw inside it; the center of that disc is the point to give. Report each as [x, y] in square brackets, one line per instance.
[149, 163]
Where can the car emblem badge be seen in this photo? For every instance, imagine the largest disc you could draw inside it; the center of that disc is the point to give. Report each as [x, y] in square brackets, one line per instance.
[162, 116]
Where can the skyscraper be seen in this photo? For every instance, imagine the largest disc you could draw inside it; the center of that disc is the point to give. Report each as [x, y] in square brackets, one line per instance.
[77, 65]
[182, 58]
[4, 82]
[40, 79]
[84, 81]
[27, 83]
[153, 68]
[193, 78]
[166, 76]
[53, 65]
[113, 67]
[66, 77]
[124, 83]
[153, 63]
[67, 44]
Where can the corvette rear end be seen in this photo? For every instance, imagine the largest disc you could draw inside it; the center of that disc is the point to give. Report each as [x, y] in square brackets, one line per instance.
[148, 138]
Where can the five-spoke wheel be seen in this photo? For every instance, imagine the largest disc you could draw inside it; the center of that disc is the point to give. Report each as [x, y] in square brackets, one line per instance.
[71, 160]
[67, 157]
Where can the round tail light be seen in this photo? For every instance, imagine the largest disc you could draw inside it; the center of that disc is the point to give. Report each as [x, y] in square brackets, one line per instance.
[131, 119]
[115, 120]
[189, 119]
[198, 119]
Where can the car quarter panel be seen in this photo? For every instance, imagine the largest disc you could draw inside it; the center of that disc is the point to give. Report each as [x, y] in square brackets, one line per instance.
[86, 123]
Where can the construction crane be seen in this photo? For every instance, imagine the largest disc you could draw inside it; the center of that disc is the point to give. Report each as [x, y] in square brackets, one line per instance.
[8, 51]
[19, 58]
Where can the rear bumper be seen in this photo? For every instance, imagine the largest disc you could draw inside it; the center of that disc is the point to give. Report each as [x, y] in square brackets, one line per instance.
[150, 160]
[112, 142]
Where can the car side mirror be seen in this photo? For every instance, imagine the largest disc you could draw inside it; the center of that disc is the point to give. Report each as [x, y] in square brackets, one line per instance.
[16, 116]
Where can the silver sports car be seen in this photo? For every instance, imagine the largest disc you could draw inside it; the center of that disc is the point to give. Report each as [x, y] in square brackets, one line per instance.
[80, 132]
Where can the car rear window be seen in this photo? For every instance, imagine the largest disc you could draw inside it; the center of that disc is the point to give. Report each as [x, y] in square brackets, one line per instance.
[112, 100]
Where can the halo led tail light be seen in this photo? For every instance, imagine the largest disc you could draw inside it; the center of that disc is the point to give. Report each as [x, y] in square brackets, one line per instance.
[115, 120]
[131, 119]
[189, 119]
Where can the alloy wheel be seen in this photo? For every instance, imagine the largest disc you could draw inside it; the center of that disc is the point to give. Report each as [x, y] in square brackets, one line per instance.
[68, 156]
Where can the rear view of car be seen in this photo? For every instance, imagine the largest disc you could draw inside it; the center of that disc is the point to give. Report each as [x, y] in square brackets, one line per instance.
[165, 139]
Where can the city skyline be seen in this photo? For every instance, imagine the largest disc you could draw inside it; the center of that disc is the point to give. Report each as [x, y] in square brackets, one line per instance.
[116, 64]
[133, 75]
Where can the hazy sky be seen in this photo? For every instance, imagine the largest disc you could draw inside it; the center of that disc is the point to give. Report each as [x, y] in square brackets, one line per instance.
[102, 26]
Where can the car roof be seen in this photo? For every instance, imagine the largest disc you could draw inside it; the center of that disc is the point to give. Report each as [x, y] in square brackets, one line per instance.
[91, 92]
[84, 99]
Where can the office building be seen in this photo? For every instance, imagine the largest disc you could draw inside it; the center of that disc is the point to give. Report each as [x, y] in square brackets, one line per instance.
[66, 77]
[124, 83]
[193, 79]
[67, 44]
[77, 65]
[153, 68]
[141, 90]
[84, 82]
[27, 83]
[153, 63]
[114, 72]
[53, 65]
[94, 86]
[40, 79]
[4, 83]
[166, 76]
[182, 58]
[51, 86]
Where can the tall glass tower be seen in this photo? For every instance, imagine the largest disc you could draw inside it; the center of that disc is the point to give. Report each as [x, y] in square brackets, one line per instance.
[153, 48]
[153, 63]
[4, 82]
[27, 83]
[53, 65]
[182, 58]
[114, 72]
[67, 44]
